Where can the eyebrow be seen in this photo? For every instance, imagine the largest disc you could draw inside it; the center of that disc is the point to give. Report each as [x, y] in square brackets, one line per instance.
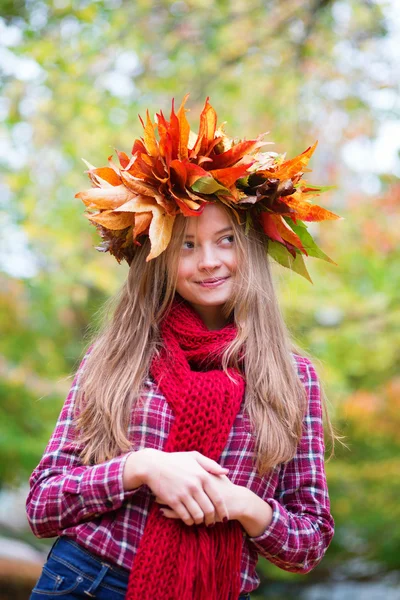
[216, 233]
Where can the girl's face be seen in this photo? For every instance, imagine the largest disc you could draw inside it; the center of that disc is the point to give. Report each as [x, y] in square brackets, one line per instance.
[207, 264]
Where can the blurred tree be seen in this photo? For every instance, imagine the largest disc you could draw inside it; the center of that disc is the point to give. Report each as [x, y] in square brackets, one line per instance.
[74, 75]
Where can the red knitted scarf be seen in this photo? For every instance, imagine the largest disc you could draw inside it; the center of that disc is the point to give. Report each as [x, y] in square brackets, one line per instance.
[176, 561]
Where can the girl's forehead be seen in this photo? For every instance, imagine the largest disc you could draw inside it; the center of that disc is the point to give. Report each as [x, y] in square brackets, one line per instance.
[212, 220]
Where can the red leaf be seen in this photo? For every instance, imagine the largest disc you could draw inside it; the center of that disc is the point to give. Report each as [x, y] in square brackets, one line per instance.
[233, 155]
[227, 177]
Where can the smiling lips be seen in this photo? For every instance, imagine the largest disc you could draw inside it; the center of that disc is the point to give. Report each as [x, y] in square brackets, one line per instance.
[212, 283]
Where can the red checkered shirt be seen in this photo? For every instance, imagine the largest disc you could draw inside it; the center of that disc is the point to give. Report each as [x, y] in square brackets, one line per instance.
[89, 504]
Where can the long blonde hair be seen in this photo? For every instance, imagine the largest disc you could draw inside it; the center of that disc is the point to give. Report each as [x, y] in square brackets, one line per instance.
[128, 337]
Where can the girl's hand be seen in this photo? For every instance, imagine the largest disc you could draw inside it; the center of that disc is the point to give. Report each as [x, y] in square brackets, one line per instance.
[234, 496]
[187, 482]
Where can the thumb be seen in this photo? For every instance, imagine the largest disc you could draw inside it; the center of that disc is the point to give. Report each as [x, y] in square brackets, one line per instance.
[211, 465]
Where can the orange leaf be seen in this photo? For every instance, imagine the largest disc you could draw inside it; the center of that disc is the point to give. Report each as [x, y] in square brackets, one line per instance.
[105, 198]
[150, 140]
[166, 148]
[194, 172]
[138, 146]
[141, 169]
[208, 125]
[227, 177]
[162, 124]
[161, 224]
[112, 220]
[173, 131]
[188, 207]
[306, 211]
[137, 185]
[123, 159]
[107, 174]
[136, 204]
[179, 169]
[234, 154]
[211, 147]
[142, 222]
[184, 130]
[270, 228]
[165, 143]
[287, 233]
[290, 168]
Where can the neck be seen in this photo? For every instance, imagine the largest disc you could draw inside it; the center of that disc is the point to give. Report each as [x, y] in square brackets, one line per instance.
[212, 316]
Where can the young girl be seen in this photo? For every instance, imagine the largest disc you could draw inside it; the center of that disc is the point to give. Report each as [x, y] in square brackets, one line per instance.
[191, 441]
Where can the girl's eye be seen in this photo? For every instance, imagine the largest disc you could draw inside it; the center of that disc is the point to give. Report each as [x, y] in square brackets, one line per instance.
[229, 238]
[188, 245]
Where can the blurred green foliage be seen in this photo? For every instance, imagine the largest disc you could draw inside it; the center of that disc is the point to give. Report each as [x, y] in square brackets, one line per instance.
[73, 77]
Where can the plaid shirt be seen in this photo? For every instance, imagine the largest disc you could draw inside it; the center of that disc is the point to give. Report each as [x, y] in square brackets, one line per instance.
[89, 504]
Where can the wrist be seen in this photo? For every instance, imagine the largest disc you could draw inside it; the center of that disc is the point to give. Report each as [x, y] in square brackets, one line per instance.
[242, 503]
[137, 467]
[256, 514]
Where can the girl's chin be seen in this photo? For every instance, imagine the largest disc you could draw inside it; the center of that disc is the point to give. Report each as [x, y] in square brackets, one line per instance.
[213, 299]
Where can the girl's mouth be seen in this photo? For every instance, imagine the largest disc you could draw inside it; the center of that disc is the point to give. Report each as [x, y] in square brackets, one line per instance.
[212, 283]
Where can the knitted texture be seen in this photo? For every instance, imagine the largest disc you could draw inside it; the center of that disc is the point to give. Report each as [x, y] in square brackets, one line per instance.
[175, 560]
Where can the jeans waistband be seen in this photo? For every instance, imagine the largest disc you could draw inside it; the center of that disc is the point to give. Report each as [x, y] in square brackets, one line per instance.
[82, 558]
[79, 556]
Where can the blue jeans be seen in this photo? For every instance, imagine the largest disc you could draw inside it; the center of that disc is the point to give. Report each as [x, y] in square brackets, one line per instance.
[73, 572]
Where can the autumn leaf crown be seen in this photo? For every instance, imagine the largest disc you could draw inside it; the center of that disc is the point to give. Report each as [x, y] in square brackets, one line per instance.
[180, 172]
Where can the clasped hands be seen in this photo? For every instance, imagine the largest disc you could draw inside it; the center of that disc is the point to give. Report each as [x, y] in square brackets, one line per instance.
[195, 488]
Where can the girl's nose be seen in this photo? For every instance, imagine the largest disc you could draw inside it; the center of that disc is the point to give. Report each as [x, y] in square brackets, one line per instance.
[208, 259]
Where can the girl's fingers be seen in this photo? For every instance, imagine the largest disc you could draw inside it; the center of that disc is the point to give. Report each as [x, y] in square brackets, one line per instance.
[210, 465]
[180, 511]
[161, 502]
[217, 501]
[207, 508]
[190, 512]
[183, 513]
[195, 509]
[171, 514]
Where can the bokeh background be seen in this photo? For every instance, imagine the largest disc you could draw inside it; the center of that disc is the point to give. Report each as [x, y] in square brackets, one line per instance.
[74, 76]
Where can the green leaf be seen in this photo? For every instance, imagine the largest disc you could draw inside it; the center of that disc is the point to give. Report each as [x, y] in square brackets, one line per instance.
[318, 189]
[282, 256]
[249, 222]
[242, 182]
[208, 185]
[309, 244]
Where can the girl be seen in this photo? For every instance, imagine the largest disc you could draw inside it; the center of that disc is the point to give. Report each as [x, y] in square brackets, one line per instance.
[191, 440]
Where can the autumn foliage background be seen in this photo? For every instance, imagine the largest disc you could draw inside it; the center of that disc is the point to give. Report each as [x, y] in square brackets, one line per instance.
[74, 77]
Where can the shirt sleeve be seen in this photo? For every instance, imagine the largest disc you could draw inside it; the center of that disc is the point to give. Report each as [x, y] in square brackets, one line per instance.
[302, 526]
[63, 491]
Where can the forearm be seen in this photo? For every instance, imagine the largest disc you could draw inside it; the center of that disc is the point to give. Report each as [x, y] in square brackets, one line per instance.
[61, 498]
[295, 542]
